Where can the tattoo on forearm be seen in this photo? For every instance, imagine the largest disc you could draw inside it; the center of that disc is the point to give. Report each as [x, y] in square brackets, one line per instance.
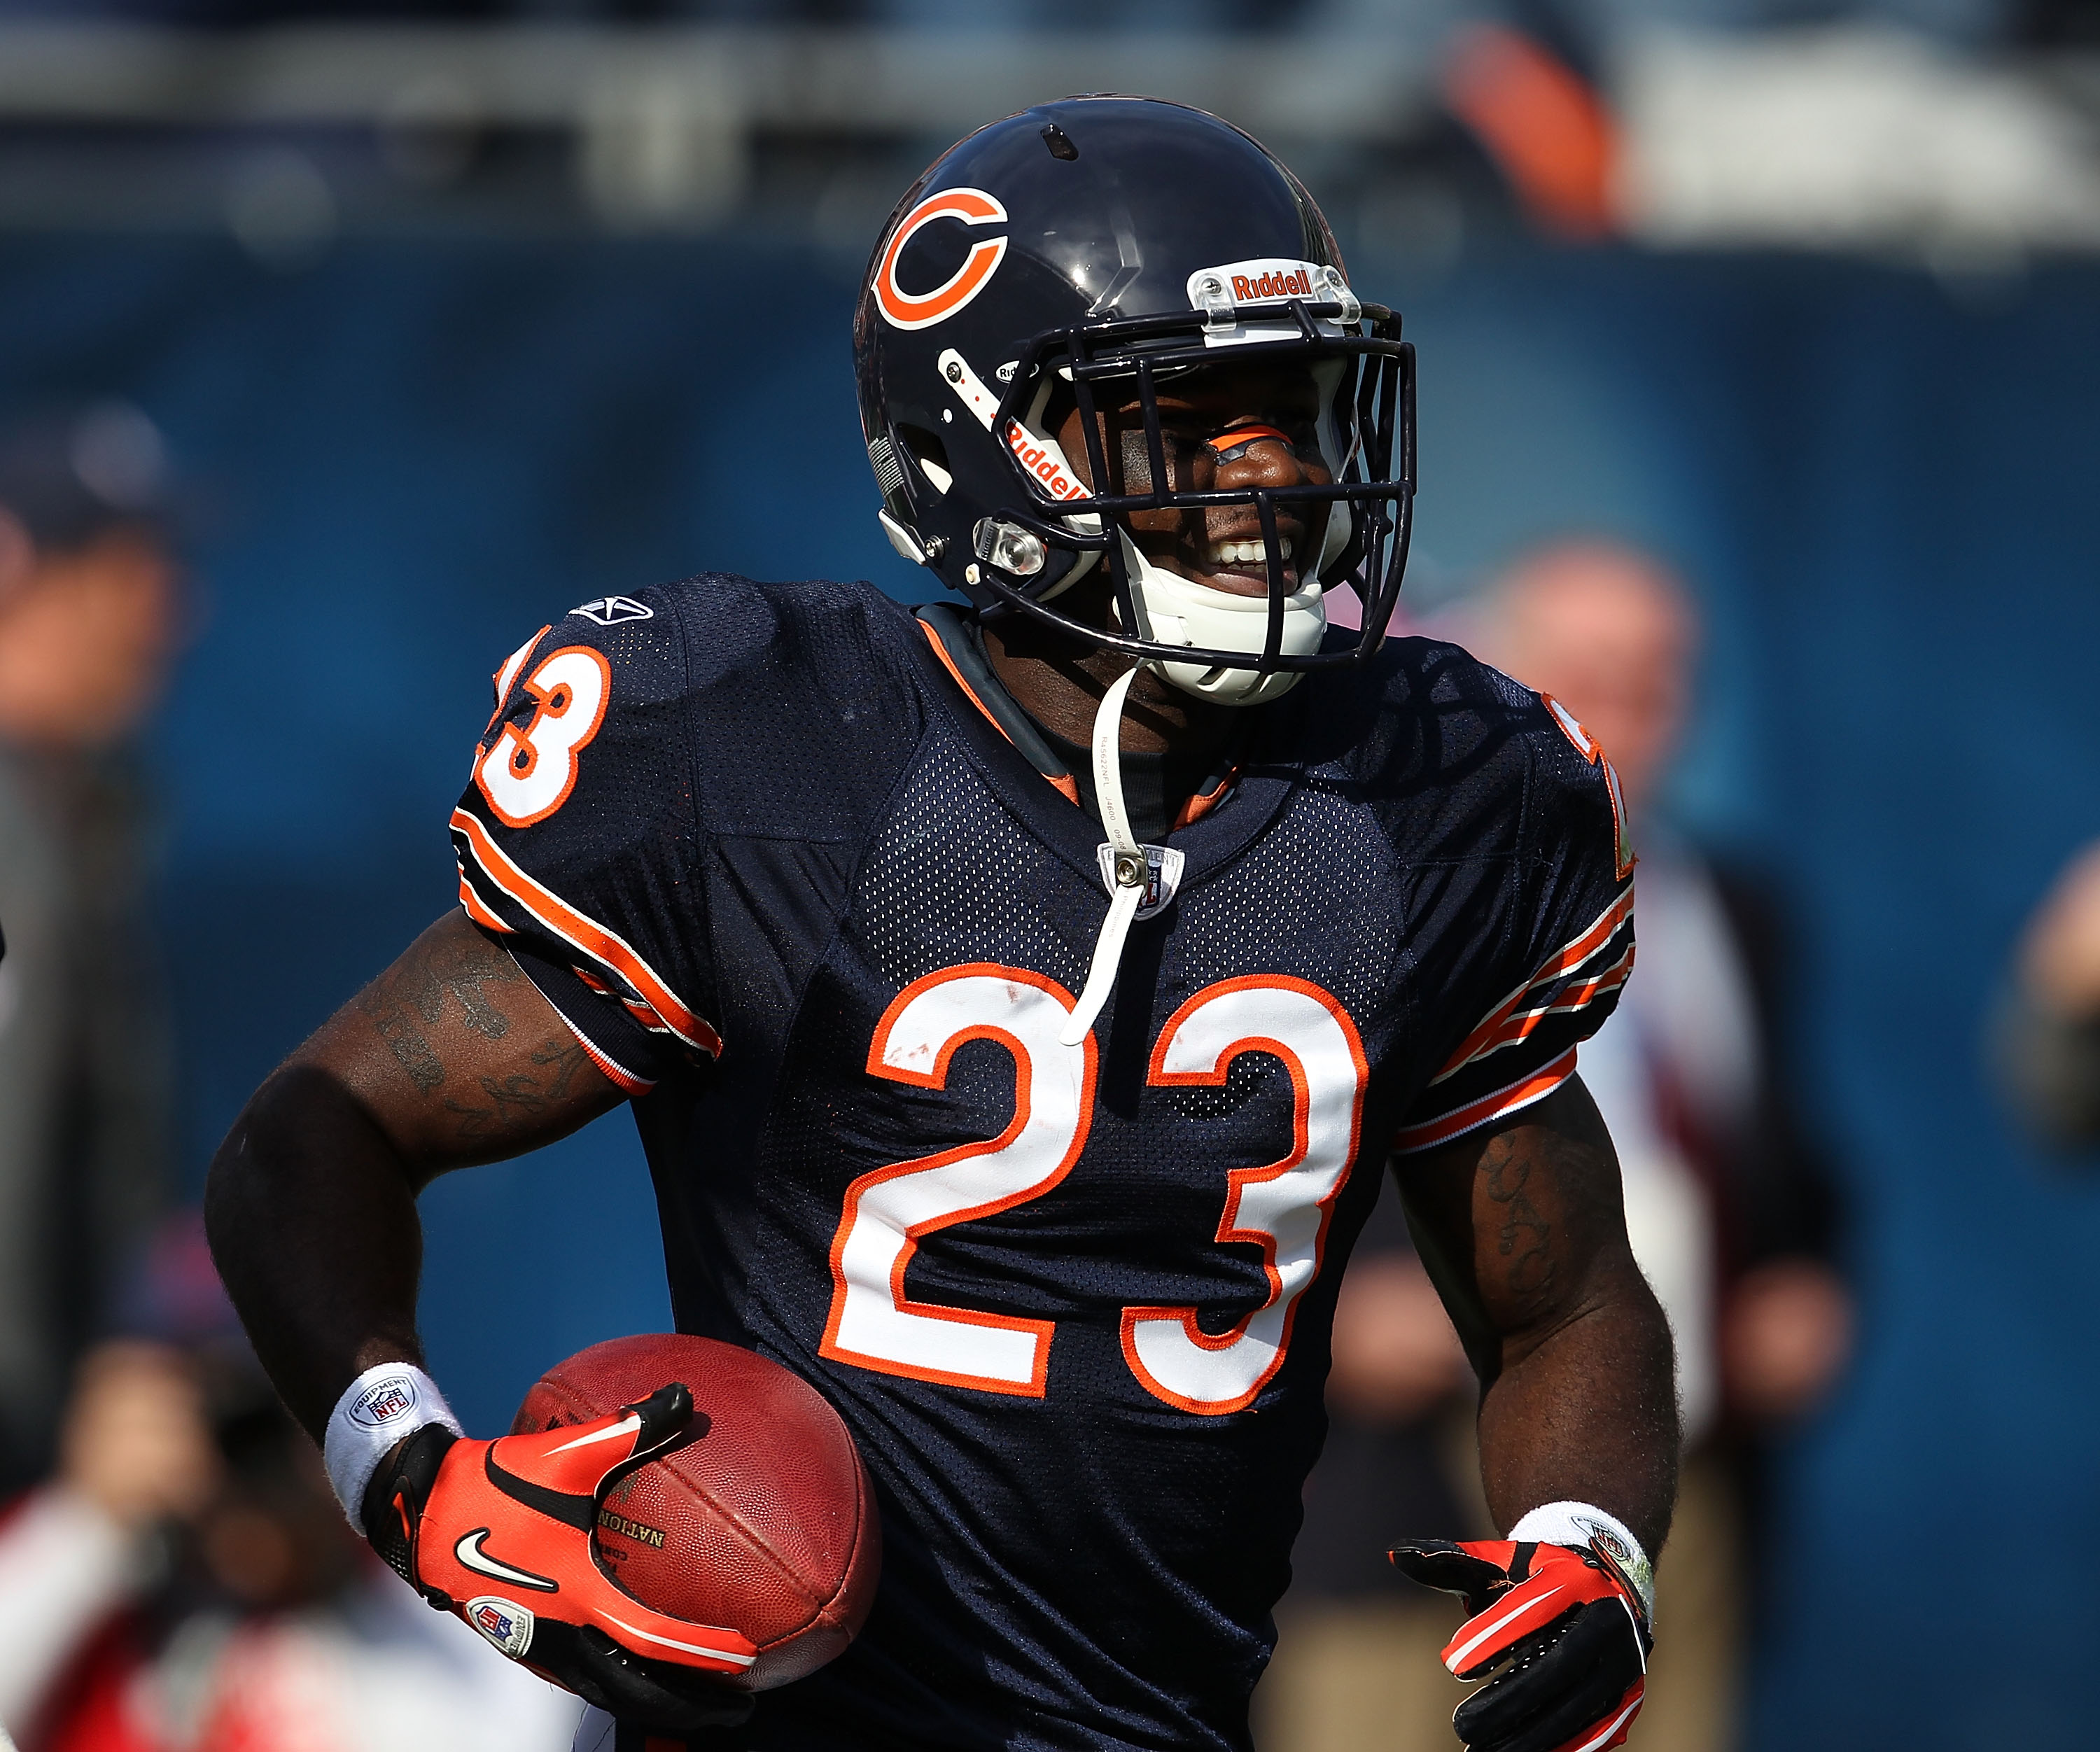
[517, 1100]
[1525, 1237]
[396, 1002]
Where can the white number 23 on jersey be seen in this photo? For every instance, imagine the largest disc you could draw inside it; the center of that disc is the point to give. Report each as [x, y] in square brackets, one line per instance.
[531, 768]
[1282, 1206]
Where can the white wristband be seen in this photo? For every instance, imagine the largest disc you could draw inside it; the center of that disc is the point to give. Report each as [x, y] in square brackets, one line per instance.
[377, 1409]
[1575, 1524]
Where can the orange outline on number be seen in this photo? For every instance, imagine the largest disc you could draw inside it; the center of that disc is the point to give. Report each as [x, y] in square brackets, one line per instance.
[935, 1078]
[504, 676]
[543, 707]
[1237, 1179]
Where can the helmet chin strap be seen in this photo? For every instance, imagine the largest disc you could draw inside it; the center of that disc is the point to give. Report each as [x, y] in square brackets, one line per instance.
[1156, 592]
[1128, 861]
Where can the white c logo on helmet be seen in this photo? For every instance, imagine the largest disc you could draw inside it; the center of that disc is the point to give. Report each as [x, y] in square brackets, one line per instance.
[904, 310]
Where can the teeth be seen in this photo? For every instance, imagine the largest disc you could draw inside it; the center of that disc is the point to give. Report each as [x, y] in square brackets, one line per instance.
[1245, 553]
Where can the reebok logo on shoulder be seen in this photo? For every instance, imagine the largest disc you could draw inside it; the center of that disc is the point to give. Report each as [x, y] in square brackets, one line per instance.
[609, 610]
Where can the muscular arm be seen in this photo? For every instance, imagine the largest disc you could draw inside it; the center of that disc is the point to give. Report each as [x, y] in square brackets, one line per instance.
[1523, 1227]
[451, 1056]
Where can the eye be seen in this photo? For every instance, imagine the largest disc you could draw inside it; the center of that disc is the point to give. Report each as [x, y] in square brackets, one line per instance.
[1182, 444]
[1233, 440]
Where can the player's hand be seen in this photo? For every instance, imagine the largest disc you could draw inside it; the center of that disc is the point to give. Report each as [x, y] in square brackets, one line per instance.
[1570, 1625]
[500, 1533]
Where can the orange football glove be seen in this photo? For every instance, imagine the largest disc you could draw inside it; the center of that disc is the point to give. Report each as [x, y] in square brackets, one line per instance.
[500, 1533]
[1570, 1624]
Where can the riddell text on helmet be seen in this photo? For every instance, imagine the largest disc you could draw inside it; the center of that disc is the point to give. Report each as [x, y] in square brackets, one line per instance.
[1294, 285]
[1041, 461]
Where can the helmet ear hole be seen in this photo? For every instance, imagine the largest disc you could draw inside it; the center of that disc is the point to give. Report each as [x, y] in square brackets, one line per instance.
[926, 450]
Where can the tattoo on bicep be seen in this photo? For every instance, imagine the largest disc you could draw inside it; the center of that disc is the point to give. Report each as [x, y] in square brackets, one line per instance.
[564, 1059]
[403, 1039]
[1524, 1236]
[395, 1002]
[515, 1101]
[466, 973]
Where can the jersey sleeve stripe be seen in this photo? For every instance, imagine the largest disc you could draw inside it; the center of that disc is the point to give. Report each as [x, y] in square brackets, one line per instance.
[635, 1006]
[1564, 1001]
[646, 1016]
[477, 909]
[1597, 937]
[1534, 1087]
[585, 934]
[617, 1074]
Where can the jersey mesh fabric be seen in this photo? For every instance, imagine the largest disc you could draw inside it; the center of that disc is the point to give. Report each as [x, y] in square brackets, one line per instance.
[822, 819]
[924, 911]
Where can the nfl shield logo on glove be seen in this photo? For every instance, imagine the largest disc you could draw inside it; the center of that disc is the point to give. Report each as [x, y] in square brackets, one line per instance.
[504, 1622]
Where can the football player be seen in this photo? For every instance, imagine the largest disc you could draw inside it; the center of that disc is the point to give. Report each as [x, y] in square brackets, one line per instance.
[1019, 1003]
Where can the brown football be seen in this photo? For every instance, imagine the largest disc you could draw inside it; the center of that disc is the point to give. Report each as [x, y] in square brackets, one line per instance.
[759, 1521]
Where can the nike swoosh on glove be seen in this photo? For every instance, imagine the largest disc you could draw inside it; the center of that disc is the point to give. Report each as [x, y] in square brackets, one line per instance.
[1569, 1624]
[500, 1533]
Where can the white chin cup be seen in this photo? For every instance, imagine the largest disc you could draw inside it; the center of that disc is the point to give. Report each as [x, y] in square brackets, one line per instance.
[1176, 610]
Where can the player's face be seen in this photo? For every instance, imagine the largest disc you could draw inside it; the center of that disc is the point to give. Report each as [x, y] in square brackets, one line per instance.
[1224, 427]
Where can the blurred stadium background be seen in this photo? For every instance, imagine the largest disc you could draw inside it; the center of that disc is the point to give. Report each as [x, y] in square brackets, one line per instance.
[453, 316]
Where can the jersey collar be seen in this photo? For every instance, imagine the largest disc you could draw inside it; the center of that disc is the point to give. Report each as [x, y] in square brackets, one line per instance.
[955, 642]
[1267, 778]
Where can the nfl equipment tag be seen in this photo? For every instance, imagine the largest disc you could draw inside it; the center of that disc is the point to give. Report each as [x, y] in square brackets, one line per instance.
[1163, 875]
[385, 1404]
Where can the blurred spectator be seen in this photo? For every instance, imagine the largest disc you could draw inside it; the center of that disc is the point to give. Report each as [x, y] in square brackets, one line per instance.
[1729, 1213]
[2047, 1032]
[88, 618]
[186, 1579]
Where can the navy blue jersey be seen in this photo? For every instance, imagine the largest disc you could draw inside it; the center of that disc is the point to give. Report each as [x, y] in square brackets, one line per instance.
[799, 889]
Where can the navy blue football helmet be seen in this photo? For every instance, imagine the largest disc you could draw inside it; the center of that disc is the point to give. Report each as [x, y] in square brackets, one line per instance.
[1086, 252]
